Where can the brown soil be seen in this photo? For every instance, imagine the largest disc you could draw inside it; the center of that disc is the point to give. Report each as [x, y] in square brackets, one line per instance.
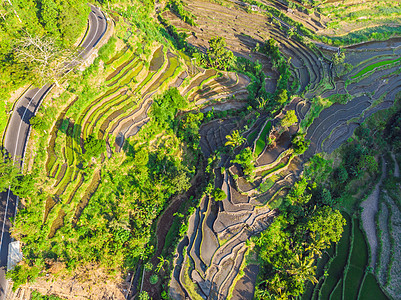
[89, 282]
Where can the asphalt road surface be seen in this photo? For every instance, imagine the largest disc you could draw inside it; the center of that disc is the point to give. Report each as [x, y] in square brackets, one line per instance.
[18, 130]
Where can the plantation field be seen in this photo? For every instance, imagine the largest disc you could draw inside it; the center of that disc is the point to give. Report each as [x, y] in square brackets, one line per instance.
[374, 66]
[261, 142]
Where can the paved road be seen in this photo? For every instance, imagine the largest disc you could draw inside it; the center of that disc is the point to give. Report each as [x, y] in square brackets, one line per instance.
[17, 136]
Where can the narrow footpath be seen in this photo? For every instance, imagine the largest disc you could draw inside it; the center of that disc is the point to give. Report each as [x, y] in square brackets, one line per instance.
[370, 208]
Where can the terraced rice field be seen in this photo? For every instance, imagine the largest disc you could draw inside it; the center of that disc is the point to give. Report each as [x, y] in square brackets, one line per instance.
[261, 141]
[374, 66]
[216, 241]
[388, 267]
[115, 115]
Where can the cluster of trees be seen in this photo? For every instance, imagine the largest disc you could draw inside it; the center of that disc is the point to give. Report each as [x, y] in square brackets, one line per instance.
[299, 144]
[165, 108]
[289, 247]
[94, 147]
[246, 159]
[218, 55]
[289, 119]
[393, 131]
[262, 99]
[9, 173]
[60, 21]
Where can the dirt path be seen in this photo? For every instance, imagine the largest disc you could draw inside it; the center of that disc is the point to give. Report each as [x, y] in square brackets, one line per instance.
[370, 207]
[396, 167]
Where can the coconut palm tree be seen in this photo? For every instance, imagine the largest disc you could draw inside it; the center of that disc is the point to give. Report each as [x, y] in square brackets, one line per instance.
[235, 139]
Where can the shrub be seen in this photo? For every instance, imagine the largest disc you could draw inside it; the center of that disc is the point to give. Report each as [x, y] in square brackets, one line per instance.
[246, 159]
[299, 144]
[143, 295]
[107, 50]
[153, 279]
[219, 194]
[94, 147]
[148, 266]
[218, 56]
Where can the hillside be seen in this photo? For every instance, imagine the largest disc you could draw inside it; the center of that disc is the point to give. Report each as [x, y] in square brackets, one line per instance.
[201, 149]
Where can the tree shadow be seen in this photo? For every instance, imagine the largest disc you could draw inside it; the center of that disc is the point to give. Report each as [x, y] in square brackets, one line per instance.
[25, 114]
[70, 129]
[248, 41]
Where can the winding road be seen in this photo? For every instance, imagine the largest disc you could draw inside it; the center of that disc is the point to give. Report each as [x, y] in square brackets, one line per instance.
[18, 130]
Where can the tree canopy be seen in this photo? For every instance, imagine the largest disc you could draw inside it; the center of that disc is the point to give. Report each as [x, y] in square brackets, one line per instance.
[289, 247]
[8, 173]
[290, 118]
[218, 56]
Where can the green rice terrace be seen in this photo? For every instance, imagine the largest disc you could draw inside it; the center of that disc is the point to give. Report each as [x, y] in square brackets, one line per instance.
[204, 150]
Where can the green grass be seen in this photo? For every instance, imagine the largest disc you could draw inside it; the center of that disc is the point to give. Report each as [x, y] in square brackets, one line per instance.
[261, 142]
[374, 66]
[371, 290]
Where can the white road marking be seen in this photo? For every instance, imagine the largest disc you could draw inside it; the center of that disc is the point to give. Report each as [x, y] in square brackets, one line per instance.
[97, 25]
[15, 151]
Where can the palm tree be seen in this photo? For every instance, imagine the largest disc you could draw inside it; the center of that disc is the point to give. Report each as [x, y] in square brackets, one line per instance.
[235, 139]
[303, 269]
[162, 262]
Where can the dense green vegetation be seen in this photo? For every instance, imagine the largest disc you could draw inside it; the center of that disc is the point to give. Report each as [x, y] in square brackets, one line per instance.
[37, 296]
[122, 195]
[9, 173]
[63, 21]
[177, 7]
[288, 248]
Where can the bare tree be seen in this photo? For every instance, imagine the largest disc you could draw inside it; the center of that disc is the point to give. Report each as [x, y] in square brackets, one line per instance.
[47, 60]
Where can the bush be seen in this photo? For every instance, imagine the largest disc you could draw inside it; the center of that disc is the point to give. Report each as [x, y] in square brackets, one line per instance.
[218, 56]
[246, 159]
[38, 123]
[219, 194]
[153, 279]
[148, 266]
[177, 7]
[143, 296]
[94, 147]
[299, 144]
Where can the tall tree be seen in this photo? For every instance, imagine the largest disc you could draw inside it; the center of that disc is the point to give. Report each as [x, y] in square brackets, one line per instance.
[45, 58]
[289, 119]
[219, 57]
